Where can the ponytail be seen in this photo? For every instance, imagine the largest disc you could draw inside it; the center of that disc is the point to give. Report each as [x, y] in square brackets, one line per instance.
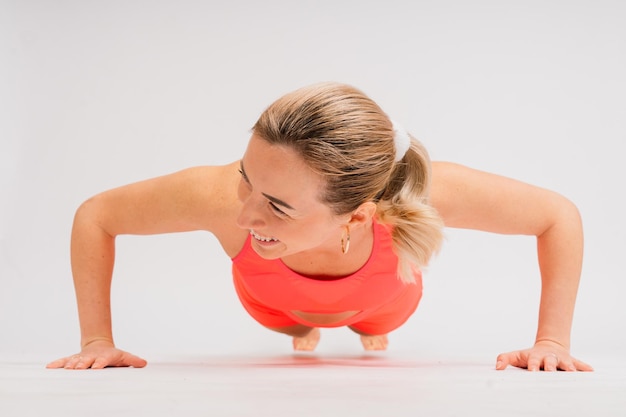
[417, 229]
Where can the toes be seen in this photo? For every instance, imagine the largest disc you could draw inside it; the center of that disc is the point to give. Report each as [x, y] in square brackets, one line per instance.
[308, 342]
[378, 342]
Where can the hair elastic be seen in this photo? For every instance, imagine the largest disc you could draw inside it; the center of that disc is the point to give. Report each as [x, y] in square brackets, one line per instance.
[401, 140]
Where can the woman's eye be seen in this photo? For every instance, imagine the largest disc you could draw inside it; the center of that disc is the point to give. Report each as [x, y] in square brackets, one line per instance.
[277, 210]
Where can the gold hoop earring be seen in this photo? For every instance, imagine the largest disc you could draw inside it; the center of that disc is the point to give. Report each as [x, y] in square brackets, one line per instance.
[345, 243]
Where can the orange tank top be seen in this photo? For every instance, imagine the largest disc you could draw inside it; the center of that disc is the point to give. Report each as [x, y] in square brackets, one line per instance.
[272, 283]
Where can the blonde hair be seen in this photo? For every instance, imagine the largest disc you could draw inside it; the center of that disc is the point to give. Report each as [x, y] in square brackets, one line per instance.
[345, 136]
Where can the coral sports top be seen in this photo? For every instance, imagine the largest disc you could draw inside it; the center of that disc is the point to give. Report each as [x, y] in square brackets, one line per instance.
[273, 284]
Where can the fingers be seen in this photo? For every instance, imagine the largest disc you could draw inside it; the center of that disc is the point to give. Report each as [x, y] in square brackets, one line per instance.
[70, 362]
[115, 358]
[135, 362]
[582, 366]
[534, 360]
[59, 363]
[511, 358]
[78, 362]
[502, 362]
[99, 363]
[550, 362]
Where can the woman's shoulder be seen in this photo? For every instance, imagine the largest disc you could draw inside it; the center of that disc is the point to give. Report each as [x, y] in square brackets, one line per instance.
[213, 190]
[452, 186]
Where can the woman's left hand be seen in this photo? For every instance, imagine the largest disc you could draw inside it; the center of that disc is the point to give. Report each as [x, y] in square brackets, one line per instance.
[545, 355]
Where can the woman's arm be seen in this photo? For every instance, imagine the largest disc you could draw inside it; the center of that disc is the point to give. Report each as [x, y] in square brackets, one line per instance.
[471, 199]
[194, 199]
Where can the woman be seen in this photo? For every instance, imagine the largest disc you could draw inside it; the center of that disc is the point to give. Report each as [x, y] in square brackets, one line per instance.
[329, 217]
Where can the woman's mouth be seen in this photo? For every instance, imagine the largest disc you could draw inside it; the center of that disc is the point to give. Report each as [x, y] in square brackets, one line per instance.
[262, 238]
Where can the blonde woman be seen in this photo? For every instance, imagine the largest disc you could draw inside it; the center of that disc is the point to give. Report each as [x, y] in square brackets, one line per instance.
[329, 218]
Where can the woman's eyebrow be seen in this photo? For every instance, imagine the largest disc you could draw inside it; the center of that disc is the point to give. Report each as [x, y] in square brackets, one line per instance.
[269, 197]
[278, 201]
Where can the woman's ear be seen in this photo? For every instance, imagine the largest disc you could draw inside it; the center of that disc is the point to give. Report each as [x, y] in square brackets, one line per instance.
[363, 214]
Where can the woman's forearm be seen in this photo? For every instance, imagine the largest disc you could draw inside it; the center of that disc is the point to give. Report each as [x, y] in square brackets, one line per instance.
[92, 257]
[560, 253]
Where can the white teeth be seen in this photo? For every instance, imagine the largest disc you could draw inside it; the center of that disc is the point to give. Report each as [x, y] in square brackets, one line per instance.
[262, 238]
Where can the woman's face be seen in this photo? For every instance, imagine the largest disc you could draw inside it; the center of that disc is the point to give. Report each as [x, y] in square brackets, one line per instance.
[280, 201]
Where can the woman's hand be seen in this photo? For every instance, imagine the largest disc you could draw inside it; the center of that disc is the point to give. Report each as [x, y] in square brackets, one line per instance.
[545, 355]
[98, 355]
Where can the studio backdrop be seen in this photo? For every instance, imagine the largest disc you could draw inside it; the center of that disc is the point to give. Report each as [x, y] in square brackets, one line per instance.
[98, 94]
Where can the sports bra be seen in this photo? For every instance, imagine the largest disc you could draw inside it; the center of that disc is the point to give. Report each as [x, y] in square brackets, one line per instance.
[275, 285]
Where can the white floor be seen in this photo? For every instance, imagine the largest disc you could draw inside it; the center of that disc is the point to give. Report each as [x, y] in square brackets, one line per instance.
[311, 385]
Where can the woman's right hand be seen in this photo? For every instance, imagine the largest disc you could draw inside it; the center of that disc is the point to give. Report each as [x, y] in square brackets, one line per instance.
[98, 355]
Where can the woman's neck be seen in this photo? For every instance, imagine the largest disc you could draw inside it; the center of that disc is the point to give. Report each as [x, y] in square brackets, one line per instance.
[324, 264]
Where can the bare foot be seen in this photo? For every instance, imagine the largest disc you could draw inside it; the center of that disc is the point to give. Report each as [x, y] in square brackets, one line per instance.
[308, 342]
[377, 342]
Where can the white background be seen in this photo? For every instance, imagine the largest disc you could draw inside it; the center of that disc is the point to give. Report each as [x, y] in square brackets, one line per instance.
[96, 94]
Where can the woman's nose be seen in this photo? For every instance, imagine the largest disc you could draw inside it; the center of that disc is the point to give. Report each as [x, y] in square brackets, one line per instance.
[250, 216]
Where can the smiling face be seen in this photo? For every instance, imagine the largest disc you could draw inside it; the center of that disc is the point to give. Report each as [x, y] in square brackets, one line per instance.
[281, 205]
